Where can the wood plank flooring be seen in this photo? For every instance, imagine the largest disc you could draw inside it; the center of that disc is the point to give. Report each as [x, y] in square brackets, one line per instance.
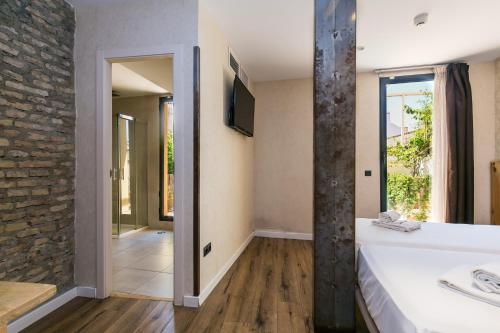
[269, 289]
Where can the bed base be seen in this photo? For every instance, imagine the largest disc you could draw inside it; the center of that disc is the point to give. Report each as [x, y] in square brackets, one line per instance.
[370, 323]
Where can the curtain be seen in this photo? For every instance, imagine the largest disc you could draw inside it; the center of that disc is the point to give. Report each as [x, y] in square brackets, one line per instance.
[460, 162]
[439, 147]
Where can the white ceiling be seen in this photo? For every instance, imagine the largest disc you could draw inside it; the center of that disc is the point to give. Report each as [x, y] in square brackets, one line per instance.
[273, 39]
[456, 30]
[151, 76]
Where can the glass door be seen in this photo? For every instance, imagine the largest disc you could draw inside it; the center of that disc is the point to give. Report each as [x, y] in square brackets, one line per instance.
[124, 176]
[140, 156]
[405, 144]
[166, 159]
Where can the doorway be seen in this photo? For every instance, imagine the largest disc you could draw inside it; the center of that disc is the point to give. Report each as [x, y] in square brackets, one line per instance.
[183, 132]
[405, 144]
[143, 243]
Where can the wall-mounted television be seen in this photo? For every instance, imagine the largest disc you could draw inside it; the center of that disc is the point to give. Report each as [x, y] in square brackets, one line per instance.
[242, 109]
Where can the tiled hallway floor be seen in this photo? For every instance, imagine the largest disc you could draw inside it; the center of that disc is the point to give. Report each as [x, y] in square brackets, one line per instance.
[143, 263]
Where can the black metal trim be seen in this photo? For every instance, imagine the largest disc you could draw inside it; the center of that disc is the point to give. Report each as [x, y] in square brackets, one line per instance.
[163, 216]
[383, 143]
[196, 171]
[384, 81]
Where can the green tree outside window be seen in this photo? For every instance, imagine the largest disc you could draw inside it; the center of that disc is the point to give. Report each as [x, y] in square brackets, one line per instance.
[409, 192]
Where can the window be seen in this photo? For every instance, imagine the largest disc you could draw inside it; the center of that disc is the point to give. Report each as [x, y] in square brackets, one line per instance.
[405, 144]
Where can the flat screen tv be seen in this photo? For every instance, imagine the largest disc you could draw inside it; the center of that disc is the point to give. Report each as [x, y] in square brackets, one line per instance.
[242, 109]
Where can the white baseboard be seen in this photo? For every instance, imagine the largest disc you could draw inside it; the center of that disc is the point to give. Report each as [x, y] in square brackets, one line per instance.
[273, 233]
[191, 301]
[87, 292]
[196, 301]
[38, 313]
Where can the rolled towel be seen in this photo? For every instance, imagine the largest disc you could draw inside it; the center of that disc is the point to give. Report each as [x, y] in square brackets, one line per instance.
[399, 225]
[487, 277]
[389, 216]
[460, 281]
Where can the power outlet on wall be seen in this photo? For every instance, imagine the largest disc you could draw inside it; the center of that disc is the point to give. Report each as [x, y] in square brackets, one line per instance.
[206, 249]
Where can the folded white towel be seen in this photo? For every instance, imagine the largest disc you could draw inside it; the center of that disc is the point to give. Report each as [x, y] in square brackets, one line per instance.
[487, 277]
[399, 225]
[389, 216]
[460, 280]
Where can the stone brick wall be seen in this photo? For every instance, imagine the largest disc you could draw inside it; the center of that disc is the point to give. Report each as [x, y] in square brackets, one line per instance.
[37, 154]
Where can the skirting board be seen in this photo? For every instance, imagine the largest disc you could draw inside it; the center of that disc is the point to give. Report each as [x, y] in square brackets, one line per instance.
[196, 301]
[272, 233]
[46, 308]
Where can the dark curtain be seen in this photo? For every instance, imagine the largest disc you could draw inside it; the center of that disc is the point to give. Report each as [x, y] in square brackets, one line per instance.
[460, 205]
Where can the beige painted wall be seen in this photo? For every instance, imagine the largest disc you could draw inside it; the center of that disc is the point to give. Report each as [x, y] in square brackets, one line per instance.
[283, 165]
[277, 203]
[106, 26]
[482, 77]
[145, 109]
[482, 80]
[367, 145]
[226, 159]
[497, 111]
[284, 153]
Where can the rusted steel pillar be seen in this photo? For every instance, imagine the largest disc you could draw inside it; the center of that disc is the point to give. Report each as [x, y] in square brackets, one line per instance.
[334, 165]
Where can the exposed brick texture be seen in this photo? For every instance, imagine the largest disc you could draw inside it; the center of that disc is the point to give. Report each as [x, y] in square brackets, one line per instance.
[37, 153]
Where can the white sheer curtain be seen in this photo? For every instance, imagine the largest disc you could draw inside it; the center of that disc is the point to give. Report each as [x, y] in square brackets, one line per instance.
[439, 147]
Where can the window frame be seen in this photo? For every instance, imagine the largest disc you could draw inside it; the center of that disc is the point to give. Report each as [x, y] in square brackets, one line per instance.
[162, 102]
[384, 82]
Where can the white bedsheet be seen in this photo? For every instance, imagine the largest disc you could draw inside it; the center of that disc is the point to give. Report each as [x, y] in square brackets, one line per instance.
[457, 237]
[400, 288]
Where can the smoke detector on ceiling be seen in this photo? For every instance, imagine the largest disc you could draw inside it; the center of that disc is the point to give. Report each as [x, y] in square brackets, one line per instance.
[420, 19]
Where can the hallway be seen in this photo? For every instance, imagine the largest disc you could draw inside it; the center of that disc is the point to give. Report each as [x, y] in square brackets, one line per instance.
[143, 264]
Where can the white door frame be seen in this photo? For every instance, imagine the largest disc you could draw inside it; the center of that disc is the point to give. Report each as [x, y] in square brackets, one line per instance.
[104, 60]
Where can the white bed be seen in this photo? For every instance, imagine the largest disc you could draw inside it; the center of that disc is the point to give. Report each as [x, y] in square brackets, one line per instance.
[459, 237]
[400, 288]
[450, 243]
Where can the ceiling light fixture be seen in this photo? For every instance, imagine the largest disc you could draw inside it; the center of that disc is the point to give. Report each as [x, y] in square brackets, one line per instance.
[420, 19]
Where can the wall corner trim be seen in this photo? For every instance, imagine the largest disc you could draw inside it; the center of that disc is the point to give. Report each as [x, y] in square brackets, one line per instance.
[38, 313]
[87, 292]
[191, 301]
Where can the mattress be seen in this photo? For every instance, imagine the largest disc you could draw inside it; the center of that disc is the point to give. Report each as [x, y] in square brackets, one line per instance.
[458, 237]
[401, 291]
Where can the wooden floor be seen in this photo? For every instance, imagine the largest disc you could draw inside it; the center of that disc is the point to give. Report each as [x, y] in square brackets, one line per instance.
[269, 289]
